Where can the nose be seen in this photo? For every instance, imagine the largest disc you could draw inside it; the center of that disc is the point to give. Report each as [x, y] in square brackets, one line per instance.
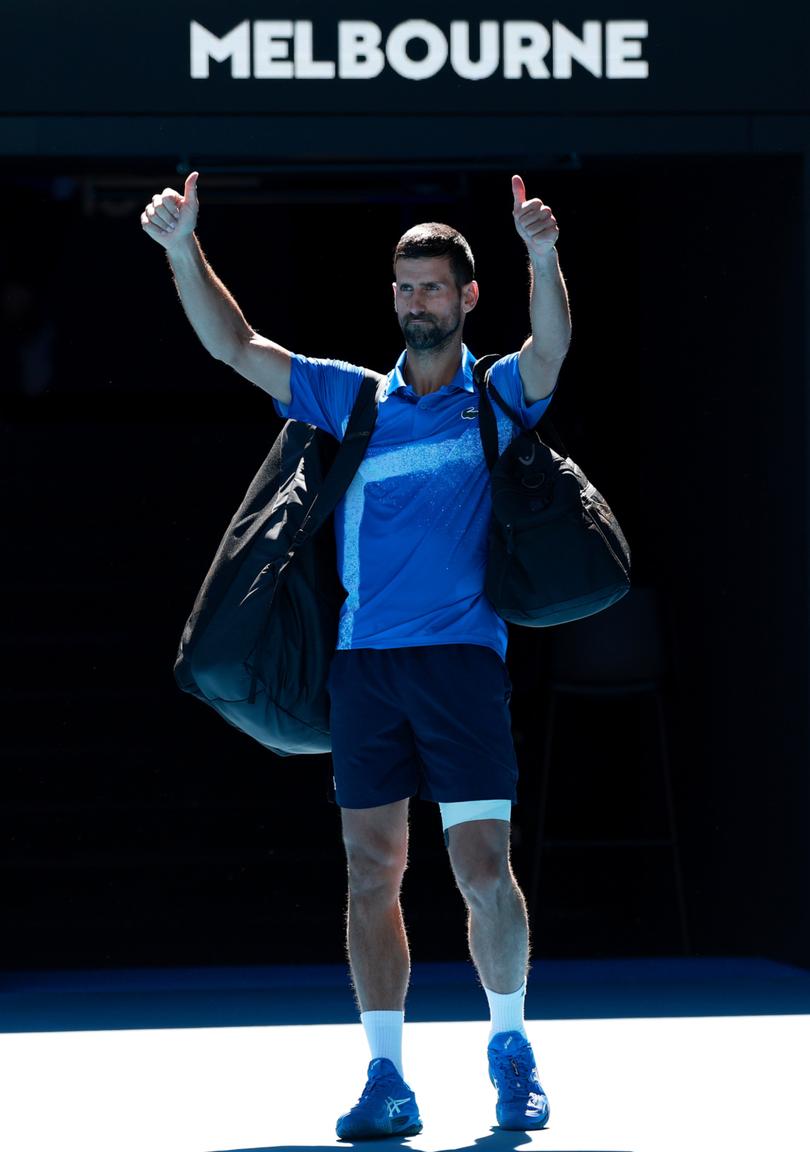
[417, 303]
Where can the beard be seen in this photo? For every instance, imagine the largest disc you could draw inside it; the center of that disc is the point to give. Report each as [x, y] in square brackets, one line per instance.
[428, 333]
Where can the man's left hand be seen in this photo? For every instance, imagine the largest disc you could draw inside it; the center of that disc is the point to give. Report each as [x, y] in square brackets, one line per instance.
[534, 221]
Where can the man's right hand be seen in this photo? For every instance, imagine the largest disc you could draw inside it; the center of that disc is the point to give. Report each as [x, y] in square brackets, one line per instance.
[172, 217]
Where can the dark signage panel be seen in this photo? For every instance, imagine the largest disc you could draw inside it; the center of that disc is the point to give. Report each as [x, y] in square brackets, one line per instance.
[287, 56]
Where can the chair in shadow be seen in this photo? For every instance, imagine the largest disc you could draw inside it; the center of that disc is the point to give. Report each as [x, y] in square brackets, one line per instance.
[617, 654]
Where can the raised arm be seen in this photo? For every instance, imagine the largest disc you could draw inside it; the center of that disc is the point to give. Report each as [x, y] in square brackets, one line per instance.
[542, 355]
[215, 316]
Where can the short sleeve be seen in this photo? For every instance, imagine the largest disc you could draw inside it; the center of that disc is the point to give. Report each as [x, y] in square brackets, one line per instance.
[323, 393]
[505, 377]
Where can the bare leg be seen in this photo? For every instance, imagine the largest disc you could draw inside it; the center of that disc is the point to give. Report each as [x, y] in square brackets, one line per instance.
[376, 842]
[498, 926]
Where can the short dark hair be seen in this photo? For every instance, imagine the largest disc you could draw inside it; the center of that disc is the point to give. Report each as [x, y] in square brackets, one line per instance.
[428, 240]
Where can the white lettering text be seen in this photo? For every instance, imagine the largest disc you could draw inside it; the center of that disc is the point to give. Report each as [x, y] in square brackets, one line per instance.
[568, 47]
[234, 45]
[419, 50]
[488, 54]
[359, 54]
[271, 50]
[623, 49]
[306, 68]
[525, 44]
[396, 50]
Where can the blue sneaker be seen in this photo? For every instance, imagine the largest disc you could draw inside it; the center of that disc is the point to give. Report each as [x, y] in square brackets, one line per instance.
[522, 1105]
[386, 1108]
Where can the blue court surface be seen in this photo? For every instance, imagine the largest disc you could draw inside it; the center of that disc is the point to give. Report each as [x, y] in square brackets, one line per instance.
[635, 1055]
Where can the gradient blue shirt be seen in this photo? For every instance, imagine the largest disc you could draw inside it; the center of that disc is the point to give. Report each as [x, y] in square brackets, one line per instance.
[412, 528]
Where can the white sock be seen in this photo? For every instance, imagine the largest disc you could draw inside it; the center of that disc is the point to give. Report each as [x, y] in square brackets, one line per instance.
[384, 1035]
[506, 1011]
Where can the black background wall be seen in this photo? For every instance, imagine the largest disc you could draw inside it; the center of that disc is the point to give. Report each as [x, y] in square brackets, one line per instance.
[136, 826]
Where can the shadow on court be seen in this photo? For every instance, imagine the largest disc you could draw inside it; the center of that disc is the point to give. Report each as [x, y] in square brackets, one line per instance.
[313, 994]
[496, 1141]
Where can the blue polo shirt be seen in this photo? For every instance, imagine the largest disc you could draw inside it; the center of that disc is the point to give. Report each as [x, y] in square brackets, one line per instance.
[412, 528]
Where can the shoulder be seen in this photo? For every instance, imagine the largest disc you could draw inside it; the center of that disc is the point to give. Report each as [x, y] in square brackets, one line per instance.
[505, 377]
[320, 371]
[322, 392]
[506, 369]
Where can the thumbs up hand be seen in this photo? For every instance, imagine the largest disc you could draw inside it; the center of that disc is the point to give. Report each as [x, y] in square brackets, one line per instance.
[534, 222]
[170, 217]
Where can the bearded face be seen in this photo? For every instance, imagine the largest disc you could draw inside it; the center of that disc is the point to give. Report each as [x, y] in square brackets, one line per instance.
[426, 330]
[428, 301]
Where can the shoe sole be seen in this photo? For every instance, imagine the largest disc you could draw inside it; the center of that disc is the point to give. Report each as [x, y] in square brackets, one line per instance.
[412, 1130]
[522, 1127]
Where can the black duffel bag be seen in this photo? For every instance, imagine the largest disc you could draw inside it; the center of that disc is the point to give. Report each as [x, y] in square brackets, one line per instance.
[556, 551]
[261, 635]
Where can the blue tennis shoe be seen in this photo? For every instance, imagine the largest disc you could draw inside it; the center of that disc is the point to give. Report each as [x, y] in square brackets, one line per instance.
[386, 1108]
[522, 1105]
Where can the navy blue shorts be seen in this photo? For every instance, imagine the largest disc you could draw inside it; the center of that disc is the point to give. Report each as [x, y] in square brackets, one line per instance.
[431, 722]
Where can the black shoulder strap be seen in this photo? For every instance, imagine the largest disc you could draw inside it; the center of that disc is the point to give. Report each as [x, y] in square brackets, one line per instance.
[487, 423]
[362, 419]
[350, 452]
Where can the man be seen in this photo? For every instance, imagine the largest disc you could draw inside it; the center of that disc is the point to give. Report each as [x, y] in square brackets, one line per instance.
[419, 689]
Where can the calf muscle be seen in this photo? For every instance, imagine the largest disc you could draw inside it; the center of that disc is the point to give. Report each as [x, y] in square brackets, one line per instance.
[376, 842]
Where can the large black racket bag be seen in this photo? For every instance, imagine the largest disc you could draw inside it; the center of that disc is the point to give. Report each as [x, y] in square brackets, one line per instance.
[261, 634]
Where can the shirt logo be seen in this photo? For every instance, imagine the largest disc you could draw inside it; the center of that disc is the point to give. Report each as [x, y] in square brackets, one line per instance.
[469, 414]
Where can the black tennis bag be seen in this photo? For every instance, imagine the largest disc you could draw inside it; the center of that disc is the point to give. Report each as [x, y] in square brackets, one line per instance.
[261, 635]
[556, 551]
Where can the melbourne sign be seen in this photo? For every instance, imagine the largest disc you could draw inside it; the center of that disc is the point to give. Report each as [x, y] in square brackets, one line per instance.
[462, 58]
[420, 50]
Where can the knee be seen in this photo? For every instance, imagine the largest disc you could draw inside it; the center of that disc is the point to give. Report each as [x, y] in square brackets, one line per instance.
[483, 877]
[375, 867]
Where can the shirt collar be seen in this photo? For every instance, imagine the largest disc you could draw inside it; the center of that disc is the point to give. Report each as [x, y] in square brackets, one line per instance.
[463, 378]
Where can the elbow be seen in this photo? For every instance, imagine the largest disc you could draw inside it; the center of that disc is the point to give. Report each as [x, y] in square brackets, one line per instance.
[539, 374]
[545, 356]
[227, 356]
[232, 352]
[555, 349]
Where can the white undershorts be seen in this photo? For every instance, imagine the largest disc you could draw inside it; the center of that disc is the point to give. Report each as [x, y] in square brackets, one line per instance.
[466, 810]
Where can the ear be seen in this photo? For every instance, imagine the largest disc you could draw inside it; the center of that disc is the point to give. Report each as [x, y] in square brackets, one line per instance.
[469, 296]
[394, 286]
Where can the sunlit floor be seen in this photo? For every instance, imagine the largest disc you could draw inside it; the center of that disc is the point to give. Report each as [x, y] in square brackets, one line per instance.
[94, 1070]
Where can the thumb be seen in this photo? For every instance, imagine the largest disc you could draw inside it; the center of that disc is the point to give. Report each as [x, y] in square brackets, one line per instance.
[518, 191]
[190, 190]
